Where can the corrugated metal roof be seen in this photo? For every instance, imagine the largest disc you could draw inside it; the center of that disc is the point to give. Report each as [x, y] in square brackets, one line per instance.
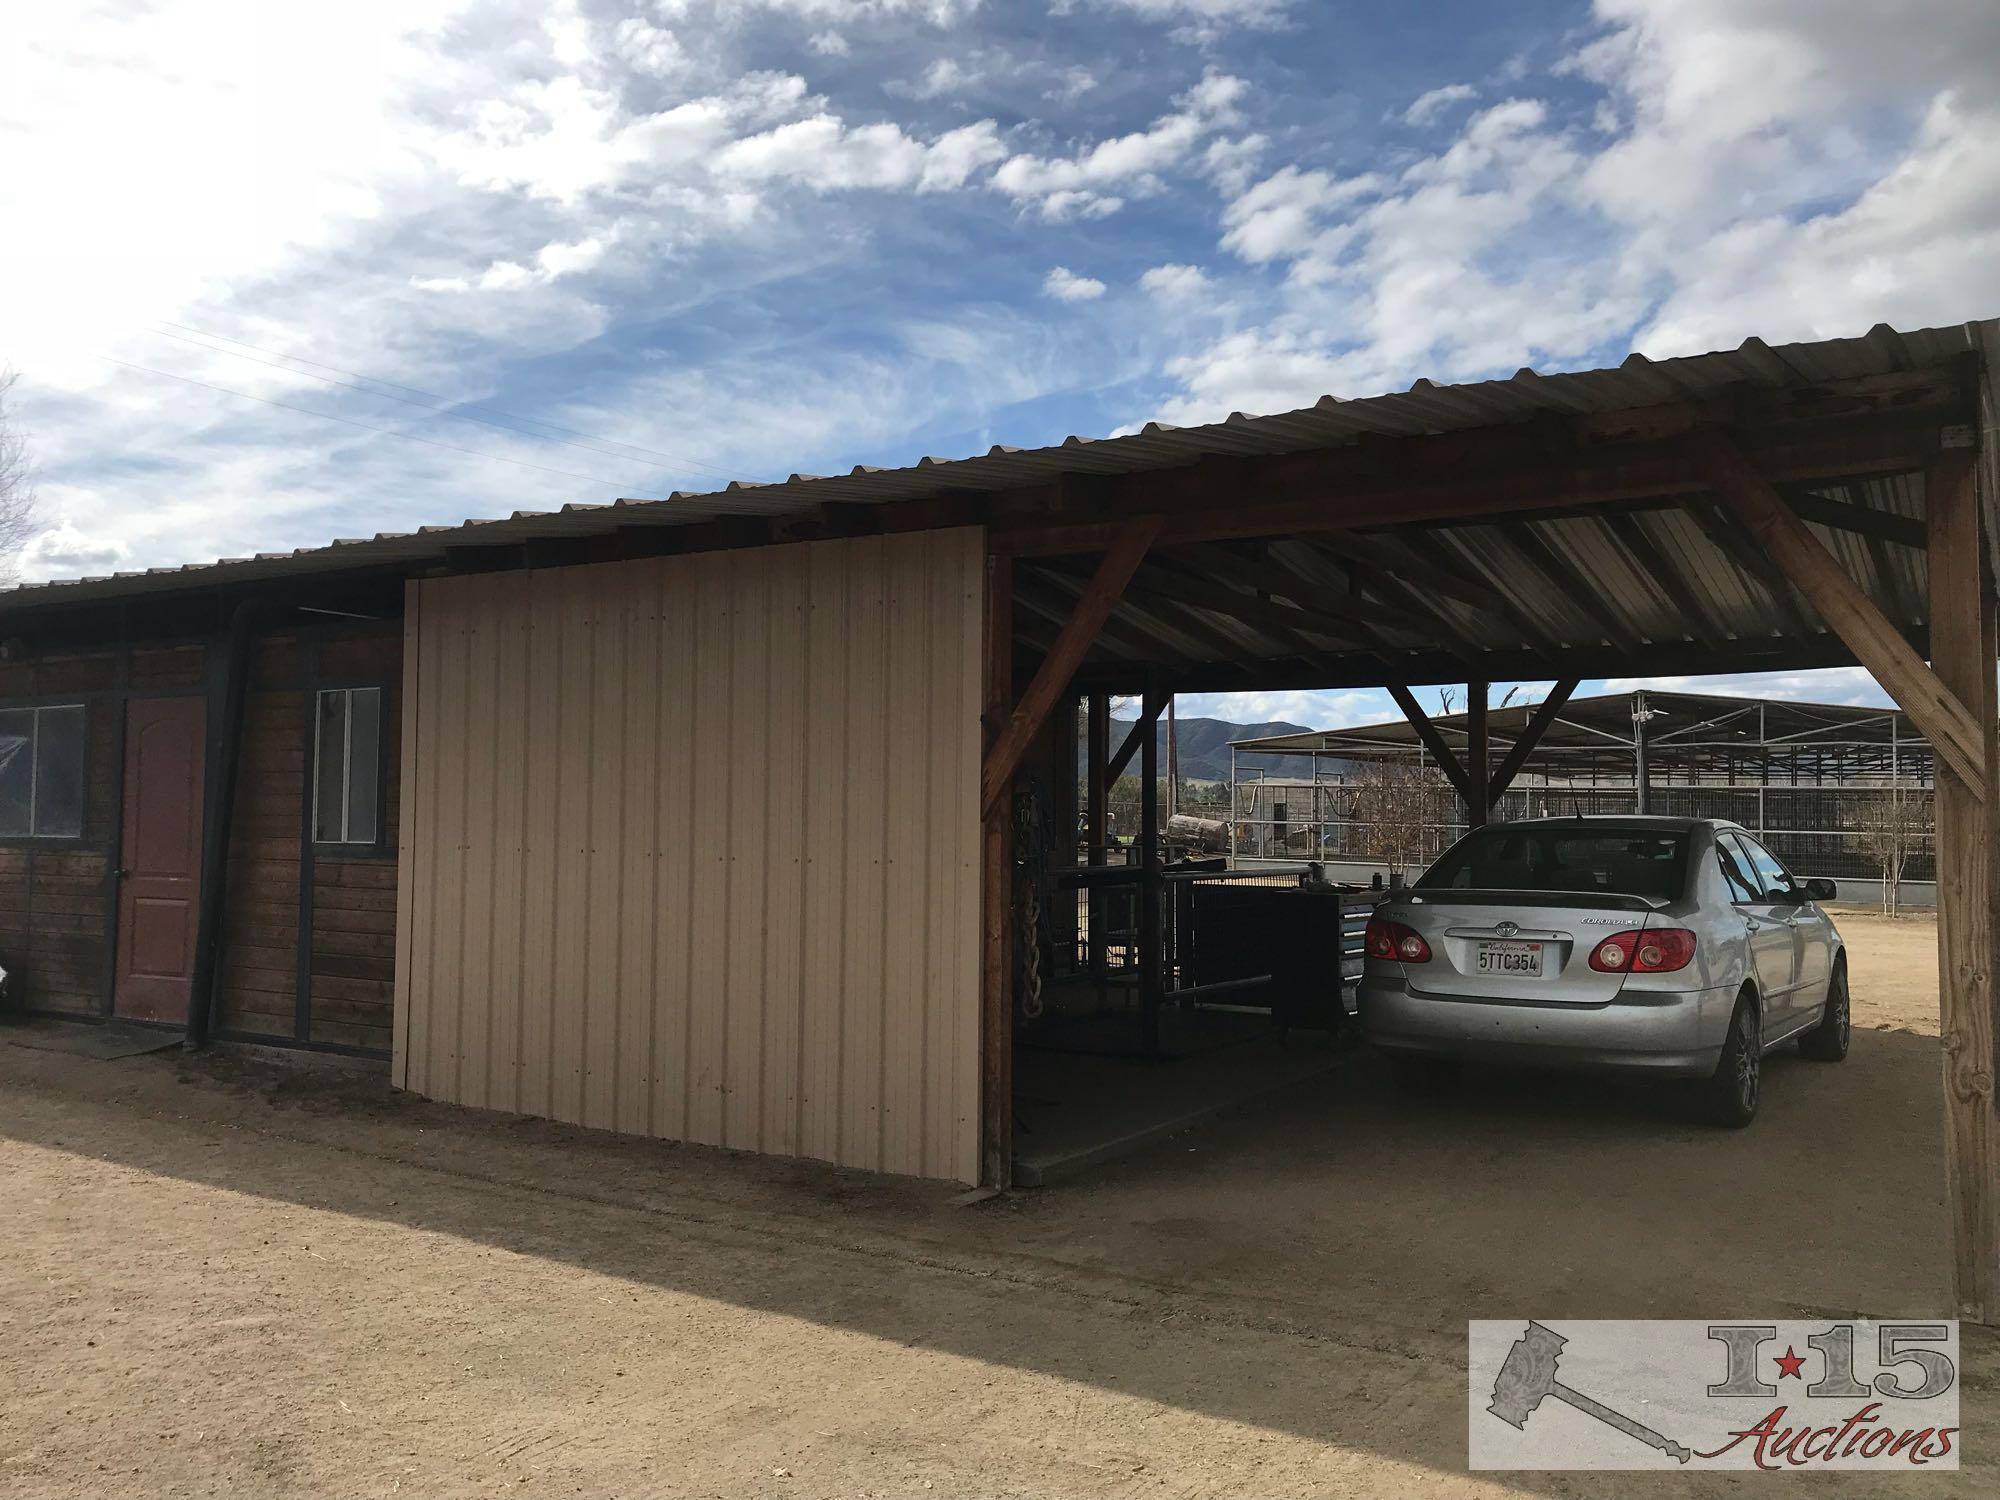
[1331, 422]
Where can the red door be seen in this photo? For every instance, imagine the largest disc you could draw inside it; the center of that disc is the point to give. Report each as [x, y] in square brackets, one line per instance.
[159, 894]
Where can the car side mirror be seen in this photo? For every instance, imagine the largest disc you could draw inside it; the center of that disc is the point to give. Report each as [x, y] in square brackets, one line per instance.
[1822, 890]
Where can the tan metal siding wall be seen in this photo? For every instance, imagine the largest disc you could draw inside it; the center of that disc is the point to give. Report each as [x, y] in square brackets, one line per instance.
[692, 848]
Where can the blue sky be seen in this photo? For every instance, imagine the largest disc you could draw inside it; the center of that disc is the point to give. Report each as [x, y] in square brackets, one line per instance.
[305, 273]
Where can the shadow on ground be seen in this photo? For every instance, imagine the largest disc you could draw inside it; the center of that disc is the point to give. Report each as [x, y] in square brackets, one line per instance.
[1307, 1268]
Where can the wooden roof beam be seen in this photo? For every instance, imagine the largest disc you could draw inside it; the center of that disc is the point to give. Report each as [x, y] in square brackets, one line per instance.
[1491, 472]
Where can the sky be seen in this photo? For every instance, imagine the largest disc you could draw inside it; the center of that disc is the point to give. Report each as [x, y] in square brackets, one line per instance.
[275, 275]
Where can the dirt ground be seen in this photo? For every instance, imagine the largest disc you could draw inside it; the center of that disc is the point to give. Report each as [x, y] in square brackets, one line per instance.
[230, 1275]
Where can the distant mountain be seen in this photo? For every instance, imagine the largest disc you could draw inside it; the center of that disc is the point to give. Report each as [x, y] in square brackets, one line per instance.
[1204, 748]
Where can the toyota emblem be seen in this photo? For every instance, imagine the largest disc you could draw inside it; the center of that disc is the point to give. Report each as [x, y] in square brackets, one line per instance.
[1507, 929]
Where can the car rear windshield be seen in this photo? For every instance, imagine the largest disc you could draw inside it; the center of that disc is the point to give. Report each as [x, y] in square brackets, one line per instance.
[1620, 861]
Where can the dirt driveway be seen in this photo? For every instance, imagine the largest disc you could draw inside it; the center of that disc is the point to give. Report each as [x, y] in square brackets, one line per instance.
[233, 1277]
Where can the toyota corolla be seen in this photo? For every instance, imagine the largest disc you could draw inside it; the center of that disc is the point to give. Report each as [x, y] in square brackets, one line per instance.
[1679, 947]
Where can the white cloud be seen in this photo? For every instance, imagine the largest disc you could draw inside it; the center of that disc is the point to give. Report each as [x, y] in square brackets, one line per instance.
[1426, 108]
[1076, 185]
[1314, 710]
[649, 49]
[826, 154]
[1852, 685]
[944, 76]
[839, 12]
[1175, 283]
[1065, 285]
[1072, 84]
[829, 44]
[1283, 217]
[1197, 21]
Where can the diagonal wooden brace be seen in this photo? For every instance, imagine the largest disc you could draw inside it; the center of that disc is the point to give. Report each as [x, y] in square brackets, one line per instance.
[1538, 725]
[1827, 586]
[1427, 732]
[1128, 549]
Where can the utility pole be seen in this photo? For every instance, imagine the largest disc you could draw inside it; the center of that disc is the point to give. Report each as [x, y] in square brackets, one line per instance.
[1642, 773]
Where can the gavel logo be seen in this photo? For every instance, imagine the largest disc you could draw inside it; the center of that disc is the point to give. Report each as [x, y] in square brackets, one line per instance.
[1528, 1375]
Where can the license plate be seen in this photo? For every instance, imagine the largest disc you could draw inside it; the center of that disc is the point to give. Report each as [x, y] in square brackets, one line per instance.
[1523, 960]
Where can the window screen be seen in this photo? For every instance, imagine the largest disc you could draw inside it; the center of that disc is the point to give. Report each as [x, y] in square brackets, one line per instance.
[347, 776]
[41, 772]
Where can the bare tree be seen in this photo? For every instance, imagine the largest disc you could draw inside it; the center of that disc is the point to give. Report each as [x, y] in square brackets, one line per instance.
[1895, 824]
[17, 489]
[1398, 814]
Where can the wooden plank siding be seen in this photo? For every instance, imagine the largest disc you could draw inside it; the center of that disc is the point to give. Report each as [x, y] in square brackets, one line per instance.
[692, 848]
[56, 894]
[321, 971]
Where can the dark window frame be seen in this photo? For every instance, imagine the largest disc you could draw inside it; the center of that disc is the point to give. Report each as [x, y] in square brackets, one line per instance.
[33, 837]
[378, 844]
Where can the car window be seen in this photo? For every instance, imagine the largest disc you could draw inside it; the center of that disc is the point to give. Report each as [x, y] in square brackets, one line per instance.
[1735, 873]
[1564, 857]
[1766, 873]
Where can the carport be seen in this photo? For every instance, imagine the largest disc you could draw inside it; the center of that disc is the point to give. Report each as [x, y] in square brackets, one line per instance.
[1768, 508]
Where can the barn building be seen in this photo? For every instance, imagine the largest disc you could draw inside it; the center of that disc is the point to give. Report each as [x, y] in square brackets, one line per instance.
[695, 818]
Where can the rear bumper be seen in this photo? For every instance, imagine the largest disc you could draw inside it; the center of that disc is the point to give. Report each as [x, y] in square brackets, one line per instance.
[1655, 1031]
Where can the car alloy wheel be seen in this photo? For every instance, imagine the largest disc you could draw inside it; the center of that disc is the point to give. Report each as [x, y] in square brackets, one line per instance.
[1749, 1060]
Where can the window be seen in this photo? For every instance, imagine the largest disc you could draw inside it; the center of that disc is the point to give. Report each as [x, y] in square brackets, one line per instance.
[347, 776]
[41, 772]
[1556, 857]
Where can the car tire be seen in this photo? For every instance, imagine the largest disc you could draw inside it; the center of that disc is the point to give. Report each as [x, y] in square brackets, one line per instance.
[1731, 1094]
[1828, 1041]
[1417, 1074]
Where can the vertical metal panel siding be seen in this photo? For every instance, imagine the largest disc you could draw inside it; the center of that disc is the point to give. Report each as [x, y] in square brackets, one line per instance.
[693, 848]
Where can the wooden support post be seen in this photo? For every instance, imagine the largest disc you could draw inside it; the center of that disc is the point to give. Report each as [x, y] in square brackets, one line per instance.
[1427, 733]
[1479, 804]
[1129, 747]
[1063, 789]
[996, 1030]
[1962, 656]
[1531, 736]
[1052, 678]
[1097, 794]
[1816, 573]
[1151, 981]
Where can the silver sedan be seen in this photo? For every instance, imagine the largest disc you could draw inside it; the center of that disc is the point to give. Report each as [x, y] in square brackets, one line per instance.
[1672, 946]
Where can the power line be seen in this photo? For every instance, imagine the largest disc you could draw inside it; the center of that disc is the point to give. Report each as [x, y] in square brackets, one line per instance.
[407, 437]
[432, 400]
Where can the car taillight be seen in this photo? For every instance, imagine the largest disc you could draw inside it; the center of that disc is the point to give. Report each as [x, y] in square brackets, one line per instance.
[1652, 950]
[1394, 940]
